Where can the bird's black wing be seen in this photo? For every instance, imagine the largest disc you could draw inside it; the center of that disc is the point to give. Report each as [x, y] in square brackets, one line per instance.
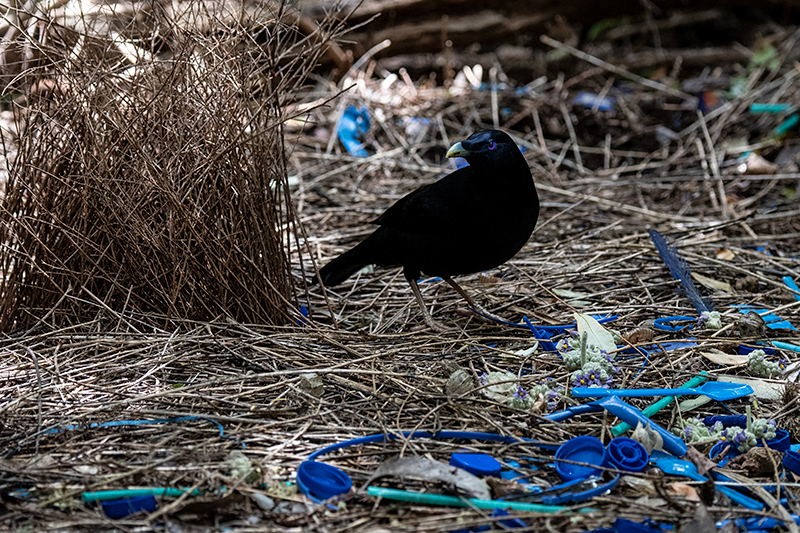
[440, 207]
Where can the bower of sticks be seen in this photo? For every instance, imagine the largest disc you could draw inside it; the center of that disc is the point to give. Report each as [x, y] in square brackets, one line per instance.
[164, 334]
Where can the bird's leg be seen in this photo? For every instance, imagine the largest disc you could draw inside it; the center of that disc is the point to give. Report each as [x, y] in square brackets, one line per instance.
[426, 316]
[472, 303]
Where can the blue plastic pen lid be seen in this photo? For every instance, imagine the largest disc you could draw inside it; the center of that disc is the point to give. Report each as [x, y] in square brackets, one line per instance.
[128, 506]
[320, 481]
[583, 449]
[479, 464]
[627, 455]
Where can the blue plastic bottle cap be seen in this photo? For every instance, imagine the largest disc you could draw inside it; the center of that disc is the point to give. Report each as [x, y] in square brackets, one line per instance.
[584, 449]
[791, 460]
[127, 506]
[781, 441]
[627, 454]
[717, 449]
[320, 481]
[478, 464]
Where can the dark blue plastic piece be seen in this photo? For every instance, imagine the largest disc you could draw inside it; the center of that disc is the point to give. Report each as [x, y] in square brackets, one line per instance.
[791, 460]
[664, 323]
[571, 411]
[727, 420]
[745, 350]
[380, 437]
[792, 285]
[627, 455]
[581, 490]
[780, 442]
[622, 525]
[542, 335]
[511, 523]
[479, 464]
[584, 449]
[320, 481]
[128, 506]
[351, 129]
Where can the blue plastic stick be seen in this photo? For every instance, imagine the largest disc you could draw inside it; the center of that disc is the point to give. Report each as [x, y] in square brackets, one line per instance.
[792, 285]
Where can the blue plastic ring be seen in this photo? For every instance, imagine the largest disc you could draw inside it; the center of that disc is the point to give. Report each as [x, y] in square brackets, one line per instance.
[663, 323]
[627, 455]
[322, 481]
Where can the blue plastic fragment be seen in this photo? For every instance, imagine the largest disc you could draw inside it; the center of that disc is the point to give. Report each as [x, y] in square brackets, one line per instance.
[747, 350]
[773, 321]
[303, 316]
[791, 460]
[380, 437]
[633, 416]
[726, 420]
[670, 346]
[541, 335]
[786, 346]
[121, 423]
[792, 285]
[621, 525]
[578, 490]
[591, 100]
[573, 410]
[351, 129]
[511, 523]
[665, 323]
[128, 506]
[479, 464]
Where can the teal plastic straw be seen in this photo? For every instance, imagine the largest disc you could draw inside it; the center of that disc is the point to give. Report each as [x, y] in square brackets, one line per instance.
[650, 410]
[786, 346]
[787, 124]
[770, 108]
[453, 501]
[105, 495]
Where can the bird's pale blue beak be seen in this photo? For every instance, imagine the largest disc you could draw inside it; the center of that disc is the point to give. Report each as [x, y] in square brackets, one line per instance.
[457, 151]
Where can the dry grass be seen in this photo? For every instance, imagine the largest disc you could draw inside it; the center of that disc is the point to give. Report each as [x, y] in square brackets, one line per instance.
[381, 373]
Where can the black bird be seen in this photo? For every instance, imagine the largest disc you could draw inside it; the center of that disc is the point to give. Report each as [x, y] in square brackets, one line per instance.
[473, 219]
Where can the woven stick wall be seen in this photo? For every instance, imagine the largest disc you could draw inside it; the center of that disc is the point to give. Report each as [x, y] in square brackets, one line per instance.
[151, 173]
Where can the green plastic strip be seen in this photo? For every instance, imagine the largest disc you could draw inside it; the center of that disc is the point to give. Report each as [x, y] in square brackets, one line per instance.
[650, 410]
[105, 495]
[453, 501]
[770, 108]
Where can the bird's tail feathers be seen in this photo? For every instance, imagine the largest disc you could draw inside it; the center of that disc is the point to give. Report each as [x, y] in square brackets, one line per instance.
[347, 264]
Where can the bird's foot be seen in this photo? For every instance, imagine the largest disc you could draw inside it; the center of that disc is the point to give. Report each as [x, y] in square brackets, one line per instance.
[438, 327]
[485, 315]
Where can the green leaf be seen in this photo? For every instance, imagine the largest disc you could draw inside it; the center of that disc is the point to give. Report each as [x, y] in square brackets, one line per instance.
[597, 335]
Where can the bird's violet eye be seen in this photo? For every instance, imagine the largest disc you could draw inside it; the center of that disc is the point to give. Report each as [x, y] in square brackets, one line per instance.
[492, 145]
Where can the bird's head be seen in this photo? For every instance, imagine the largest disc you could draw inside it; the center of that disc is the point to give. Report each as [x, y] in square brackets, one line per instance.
[487, 147]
